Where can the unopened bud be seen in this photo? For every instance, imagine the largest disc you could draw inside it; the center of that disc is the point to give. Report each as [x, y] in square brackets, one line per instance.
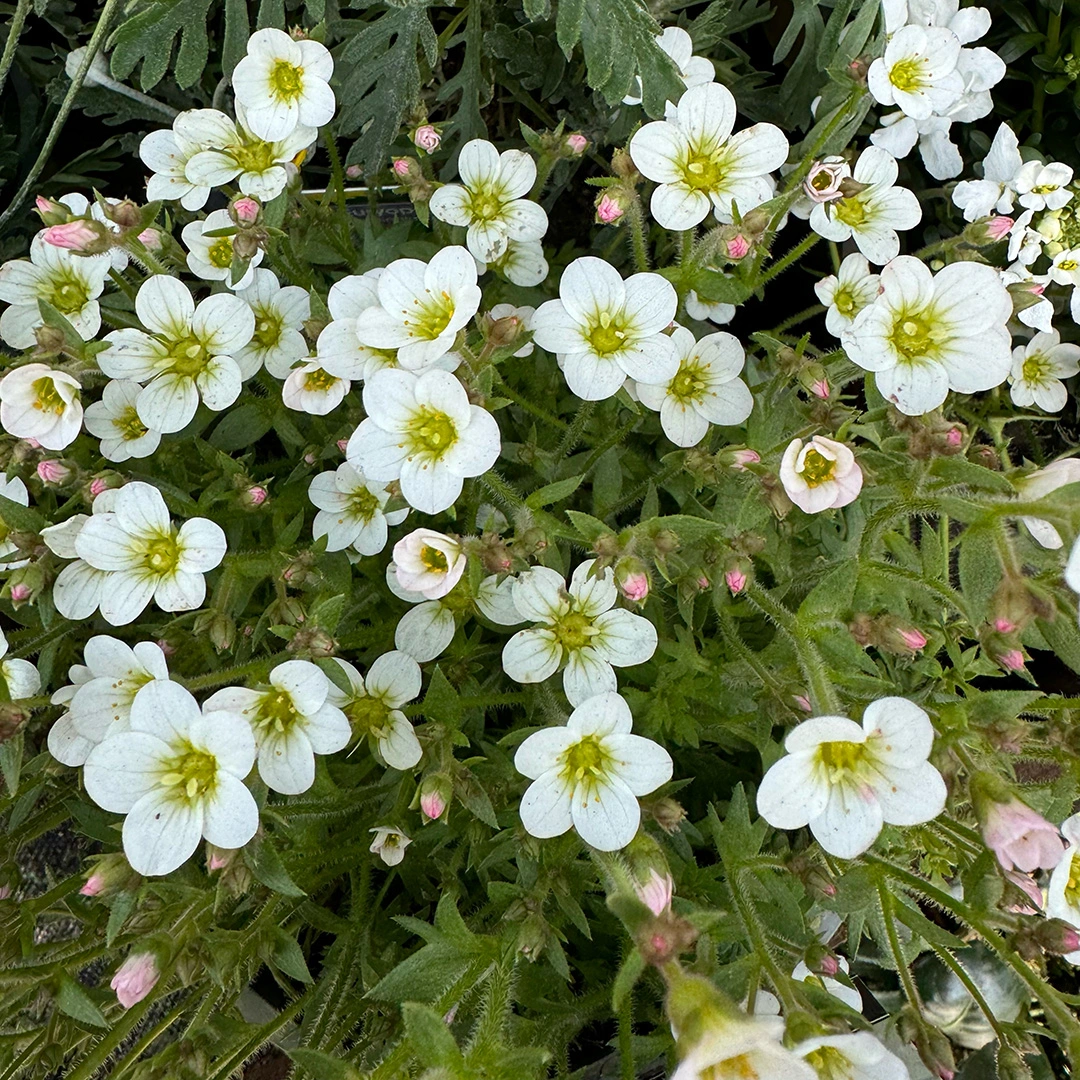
[622, 165]
[135, 978]
[610, 207]
[735, 579]
[49, 339]
[253, 497]
[668, 814]
[1011, 660]
[632, 579]
[19, 594]
[150, 239]
[494, 553]
[665, 541]
[246, 245]
[245, 210]
[12, 717]
[402, 167]
[803, 702]
[575, 144]
[739, 459]
[988, 230]
[954, 437]
[426, 138]
[54, 472]
[125, 213]
[737, 247]
[505, 331]
[50, 212]
[82, 237]
[435, 794]
[935, 1051]
[98, 485]
[353, 172]
[314, 643]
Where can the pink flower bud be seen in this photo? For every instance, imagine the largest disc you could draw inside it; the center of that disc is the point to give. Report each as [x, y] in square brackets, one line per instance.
[954, 437]
[703, 583]
[1070, 940]
[53, 471]
[1018, 836]
[655, 893]
[218, 860]
[820, 388]
[94, 885]
[254, 496]
[828, 965]
[576, 143]
[150, 239]
[97, 486]
[20, 593]
[73, 235]
[738, 247]
[632, 579]
[913, 639]
[1026, 884]
[432, 805]
[309, 458]
[353, 172]
[608, 210]
[135, 978]
[742, 458]
[1004, 626]
[343, 445]
[736, 581]
[426, 138]
[32, 442]
[636, 587]
[5, 891]
[803, 702]
[43, 204]
[165, 647]
[401, 167]
[999, 226]
[246, 210]
[1013, 660]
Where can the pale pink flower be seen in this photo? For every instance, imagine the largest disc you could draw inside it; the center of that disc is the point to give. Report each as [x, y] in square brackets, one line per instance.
[803, 702]
[135, 978]
[656, 893]
[999, 226]
[432, 805]
[1020, 838]
[72, 235]
[608, 209]
[1026, 883]
[426, 138]
[820, 475]
[820, 388]
[428, 562]
[742, 458]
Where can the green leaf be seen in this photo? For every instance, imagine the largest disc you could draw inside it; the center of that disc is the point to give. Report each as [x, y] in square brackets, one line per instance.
[122, 906]
[630, 970]
[441, 702]
[237, 31]
[19, 517]
[469, 83]
[242, 426]
[73, 1000]
[535, 10]
[322, 1066]
[288, 956]
[553, 493]
[980, 569]
[832, 596]
[587, 525]
[11, 759]
[265, 863]
[429, 1037]
[149, 36]
[568, 20]
[958, 470]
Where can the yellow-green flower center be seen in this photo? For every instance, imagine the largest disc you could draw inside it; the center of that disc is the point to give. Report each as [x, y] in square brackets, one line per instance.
[268, 327]
[840, 758]
[1036, 368]
[128, 425]
[46, 397]
[912, 336]
[220, 253]
[689, 384]
[703, 171]
[1072, 886]
[189, 356]
[907, 75]
[276, 712]
[319, 380]
[434, 560]
[192, 773]
[607, 335]
[68, 294]
[432, 432]
[287, 80]
[816, 468]
[368, 716]
[830, 1064]
[162, 554]
[585, 760]
[253, 155]
[430, 317]
[363, 505]
[736, 1068]
[574, 631]
[850, 211]
[485, 204]
[844, 301]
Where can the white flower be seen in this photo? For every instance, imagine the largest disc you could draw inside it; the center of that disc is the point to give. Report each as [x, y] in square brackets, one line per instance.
[338, 348]
[15, 490]
[925, 334]
[352, 511]
[146, 556]
[918, 71]
[588, 775]
[870, 217]
[429, 563]
[389, 844]
[211, 257]
[604, 329]
[847, 994]
[167, 153]
[693, 70]
[422, 306]
[373, 705]
[858, 1056]
[283, 84]
[847, 292]
[822, 475]
[846, 780]
[78, 588]
[184, 355]
[115, 421]
[522, 263]
[70, 283]
[422, 430]
[1039, 314]
[280, 312]
[178, 776]
[312, 389]
[1038, 368]
[495, 600]
[99, 702]
[699, 165]
[489, 200]
[580, 628]
[524, 317]
[1044, 186]
[705, 390]
[229, 150]
[1038, 485]
[1063, 893]
[741, 1046]
[292, 721]
[996, 190]
[39, 403]
[20, 676]
[719, 312]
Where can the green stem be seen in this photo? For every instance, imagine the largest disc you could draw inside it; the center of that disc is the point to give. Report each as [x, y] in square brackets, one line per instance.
[576, 429]
[15, 28]
[888, 913]
[636, 223]
[626, 1037]
[785, 260]
[947, 958]
[96, 41]
[544, 168]
[526, 404]
[228, 675]
[798, 317]
[733, 639]
[760, 945]
[142, 255]
[686, 248]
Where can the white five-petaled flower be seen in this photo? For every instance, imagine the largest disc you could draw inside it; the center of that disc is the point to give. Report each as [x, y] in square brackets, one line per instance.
[373, 706]
[918, 71]
[292, 720]
[352, 511]
[167, 152]
[282, 84]
[699, 165]
[280, 311]
[37, 402]
[705, 390]
[423, 431]
[100, 697]
[522, 263]
[822, 475]
[1044, 186]
[588, 775]
[1038, 485]
[70, 283]
[925, 334]
[1038, 368]
[870, 217]
[490, 201]
[421, 307]
[145, 556]
[846, 780]
[389, 844]
[229, 151]
[15, 490]
[1063, 892]
[177, 774]
[604, 329]
[312, 389]
[429, 563]
[115, 421]
[184, 355]
[858, 1056]
[739, 1046]
[996, 190]
[847, 292]
[20, 676]
[579, 627]
[211, 257]
[693, 70]
[338, 348]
